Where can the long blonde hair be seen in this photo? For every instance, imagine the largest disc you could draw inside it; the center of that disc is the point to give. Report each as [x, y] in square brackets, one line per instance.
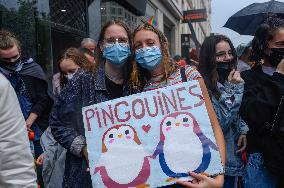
[139, 76]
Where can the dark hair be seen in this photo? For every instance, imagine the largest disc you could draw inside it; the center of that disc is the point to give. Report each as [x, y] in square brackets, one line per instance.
[207, 61]
[139, 74]
[79, 59]
[263, 35]
[177, 58]
[246, 50]
[99, 54]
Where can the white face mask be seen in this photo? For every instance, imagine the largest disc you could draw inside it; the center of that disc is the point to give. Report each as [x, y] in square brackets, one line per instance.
[69, 76]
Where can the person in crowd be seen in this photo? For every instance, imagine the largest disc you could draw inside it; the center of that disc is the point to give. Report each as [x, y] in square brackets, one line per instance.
[68, 68]
[154, 68]
[53, 158]
[243, 53]
[89, 54]
[106, 81]
[89, 44]
[179, 60]
[17, 167]
[217, 64]
[30, 85]
[68, 63]
[264, 88]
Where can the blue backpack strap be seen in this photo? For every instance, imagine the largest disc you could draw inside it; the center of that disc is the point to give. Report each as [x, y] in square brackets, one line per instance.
[182, 74]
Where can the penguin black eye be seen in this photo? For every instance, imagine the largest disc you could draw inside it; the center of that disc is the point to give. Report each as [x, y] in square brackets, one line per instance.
[185, 120]
[110, 136]
[127, 132]
[169, 123]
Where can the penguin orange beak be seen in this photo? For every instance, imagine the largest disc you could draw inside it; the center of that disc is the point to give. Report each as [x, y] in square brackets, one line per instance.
[177, 124]
[119, 136]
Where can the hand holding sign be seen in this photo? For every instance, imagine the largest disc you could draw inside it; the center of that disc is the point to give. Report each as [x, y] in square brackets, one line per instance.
[151, 139]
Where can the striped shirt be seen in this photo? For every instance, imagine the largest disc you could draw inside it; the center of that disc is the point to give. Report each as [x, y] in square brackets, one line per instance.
[190, 72]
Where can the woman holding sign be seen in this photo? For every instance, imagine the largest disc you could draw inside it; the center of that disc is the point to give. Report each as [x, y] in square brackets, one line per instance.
[154, 69]
[217, 64]
[108, 80]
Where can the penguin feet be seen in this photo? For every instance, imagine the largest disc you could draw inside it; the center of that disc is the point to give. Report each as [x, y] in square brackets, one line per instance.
[143, 185]
[171, 179]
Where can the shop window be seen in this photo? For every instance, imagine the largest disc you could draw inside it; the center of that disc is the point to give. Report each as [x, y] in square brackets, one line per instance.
[119, 11]
[103, 20]
[112, 10]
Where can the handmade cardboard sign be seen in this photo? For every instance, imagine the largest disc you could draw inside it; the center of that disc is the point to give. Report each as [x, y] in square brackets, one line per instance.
[151, 139]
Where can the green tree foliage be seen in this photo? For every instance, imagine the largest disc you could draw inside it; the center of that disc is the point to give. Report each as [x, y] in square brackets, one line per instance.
[21, 22]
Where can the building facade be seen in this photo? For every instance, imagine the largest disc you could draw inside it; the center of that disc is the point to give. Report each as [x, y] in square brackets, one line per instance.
[192, 38]
[46, 28]
[166, 13]
[202, 29]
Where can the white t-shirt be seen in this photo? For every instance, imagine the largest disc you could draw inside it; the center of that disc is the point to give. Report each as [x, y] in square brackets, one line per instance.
[17, 163]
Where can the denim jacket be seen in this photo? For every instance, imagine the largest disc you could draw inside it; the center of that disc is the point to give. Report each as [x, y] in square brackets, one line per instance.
[227, 111]
[66, 122]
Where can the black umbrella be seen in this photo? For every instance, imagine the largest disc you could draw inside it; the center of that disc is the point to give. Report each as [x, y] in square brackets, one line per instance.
[246, 21]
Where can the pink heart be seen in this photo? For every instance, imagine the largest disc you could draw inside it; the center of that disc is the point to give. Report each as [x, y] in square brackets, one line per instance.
[146, 128]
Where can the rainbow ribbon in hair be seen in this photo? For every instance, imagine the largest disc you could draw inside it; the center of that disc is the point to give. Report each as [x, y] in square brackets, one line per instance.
[152, 21]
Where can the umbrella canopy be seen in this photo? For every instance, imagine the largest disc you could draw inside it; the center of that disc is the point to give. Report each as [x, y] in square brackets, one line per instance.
[246, 21]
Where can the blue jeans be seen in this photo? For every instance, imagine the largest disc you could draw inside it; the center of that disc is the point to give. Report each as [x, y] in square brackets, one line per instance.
[256, 175]
[230, 182]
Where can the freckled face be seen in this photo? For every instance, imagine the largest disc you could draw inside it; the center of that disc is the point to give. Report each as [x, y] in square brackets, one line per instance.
[145, 38]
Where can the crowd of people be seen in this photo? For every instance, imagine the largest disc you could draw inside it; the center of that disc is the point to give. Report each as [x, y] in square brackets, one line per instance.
[246, 100]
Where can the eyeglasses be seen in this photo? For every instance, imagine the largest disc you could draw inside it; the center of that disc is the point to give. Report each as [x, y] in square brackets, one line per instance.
[113, 40]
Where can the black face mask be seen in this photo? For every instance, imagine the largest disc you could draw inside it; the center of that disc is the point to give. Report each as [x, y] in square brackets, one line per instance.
[275, 57]
[10, 65]
[223, 70]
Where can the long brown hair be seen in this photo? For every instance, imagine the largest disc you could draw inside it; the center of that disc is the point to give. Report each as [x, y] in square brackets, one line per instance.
[139, 75]
[207, 62]
[78, 58]
[99, 53]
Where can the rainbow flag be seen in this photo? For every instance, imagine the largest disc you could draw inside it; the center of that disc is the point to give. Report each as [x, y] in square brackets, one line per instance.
[152, 21]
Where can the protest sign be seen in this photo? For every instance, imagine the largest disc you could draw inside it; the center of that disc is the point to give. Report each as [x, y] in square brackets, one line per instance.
[151, 139]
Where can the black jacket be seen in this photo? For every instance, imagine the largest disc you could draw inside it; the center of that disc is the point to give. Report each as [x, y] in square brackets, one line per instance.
[42, 102]
[66, 121]
[261, 100]
[32, 77]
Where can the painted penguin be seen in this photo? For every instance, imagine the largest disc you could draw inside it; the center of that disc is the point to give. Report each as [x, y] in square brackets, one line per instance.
[123, 162]
[178, 131]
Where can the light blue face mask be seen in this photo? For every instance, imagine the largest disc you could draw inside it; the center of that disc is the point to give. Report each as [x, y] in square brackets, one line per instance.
[117, 53]
[69, 76]
[149, 57]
